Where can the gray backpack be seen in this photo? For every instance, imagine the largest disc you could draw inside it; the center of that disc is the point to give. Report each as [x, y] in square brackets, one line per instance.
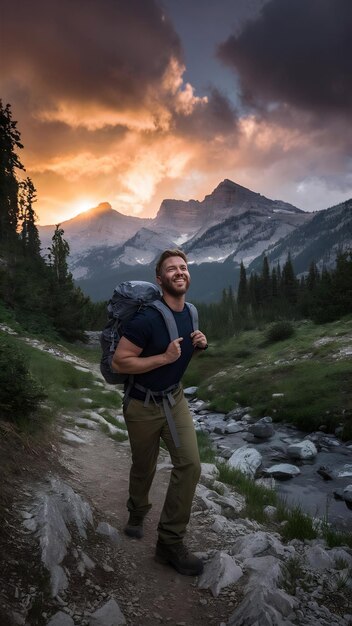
[128, 298]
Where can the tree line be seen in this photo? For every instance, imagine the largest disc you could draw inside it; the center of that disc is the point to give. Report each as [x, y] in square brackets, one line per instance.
[40, 293]
[278, 294]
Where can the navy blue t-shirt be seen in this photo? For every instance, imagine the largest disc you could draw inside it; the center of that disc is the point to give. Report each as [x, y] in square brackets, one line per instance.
[148, 331]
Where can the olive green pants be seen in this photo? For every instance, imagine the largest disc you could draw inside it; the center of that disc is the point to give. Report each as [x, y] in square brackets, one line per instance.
[146, 425]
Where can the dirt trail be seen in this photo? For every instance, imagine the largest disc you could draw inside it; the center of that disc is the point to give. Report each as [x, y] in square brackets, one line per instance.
[148, 593]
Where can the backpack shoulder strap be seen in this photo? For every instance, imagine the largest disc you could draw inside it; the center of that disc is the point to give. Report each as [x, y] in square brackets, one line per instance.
[194, 315]
[168, 318]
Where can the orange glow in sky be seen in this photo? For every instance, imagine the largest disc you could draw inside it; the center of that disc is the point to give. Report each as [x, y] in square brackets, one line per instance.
[141, 101]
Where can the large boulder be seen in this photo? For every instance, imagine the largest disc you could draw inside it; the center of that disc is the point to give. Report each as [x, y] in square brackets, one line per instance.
[246, 459]
[220, 572]
[305, 449]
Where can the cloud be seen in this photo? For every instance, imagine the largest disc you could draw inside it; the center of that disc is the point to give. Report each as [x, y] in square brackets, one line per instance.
[105, 113]
[297, 54]
[108, 52]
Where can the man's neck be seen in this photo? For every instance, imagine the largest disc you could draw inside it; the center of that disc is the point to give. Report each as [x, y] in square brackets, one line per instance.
[176, 303]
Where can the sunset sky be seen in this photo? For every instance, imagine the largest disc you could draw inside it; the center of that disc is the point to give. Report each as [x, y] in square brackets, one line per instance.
[134, 101]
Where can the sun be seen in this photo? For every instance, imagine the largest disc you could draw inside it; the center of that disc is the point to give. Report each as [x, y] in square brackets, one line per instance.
[83, 204]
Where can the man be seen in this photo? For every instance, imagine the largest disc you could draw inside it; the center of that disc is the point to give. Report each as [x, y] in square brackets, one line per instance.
[157, 364]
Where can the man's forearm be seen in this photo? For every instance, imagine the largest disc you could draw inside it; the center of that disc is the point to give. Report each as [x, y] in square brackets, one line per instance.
[138, 364]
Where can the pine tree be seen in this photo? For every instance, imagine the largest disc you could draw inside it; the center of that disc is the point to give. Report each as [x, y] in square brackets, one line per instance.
[274, 284]
[265, 287]
[9, 163]
[242, 291]
[58, 253]
[29, 231]
[313, 277]
[67, 301]
[289, 282]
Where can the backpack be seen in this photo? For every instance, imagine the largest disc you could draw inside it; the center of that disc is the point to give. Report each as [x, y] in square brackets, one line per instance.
[128, 298]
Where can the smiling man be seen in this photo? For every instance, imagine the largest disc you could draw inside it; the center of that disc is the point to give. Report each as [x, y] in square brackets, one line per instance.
[155, 408]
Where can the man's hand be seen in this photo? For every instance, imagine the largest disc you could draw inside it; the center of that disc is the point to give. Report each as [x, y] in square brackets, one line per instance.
[173, 351]
[199, 340]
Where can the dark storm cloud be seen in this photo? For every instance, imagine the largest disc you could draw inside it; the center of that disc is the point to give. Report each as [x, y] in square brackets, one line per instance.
[296, 53]
[106, 51]
[215, 117]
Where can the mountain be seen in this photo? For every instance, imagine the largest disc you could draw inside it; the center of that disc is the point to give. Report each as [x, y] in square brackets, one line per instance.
[319, 239]
[98, 227]
[223, 224]
[232, 224]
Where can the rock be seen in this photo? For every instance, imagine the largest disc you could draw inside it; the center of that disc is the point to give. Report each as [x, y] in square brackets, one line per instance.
[56, 506]
[234, 427]
[282, 471]
[108, 531]
[268, 482]
[61, 619]
[209, 469]
[246, 459]
[109, 614]
[317, 558]
[230, 505]
[71, 437]
[347, 493]
[220, 572]
[260, 542]
[237, 413]
[270, 511]
[262, 429]
[190, 391]
[345, 472]
[203, 499]
[209, 473]
[326, 472]
[114, 430]
[86, 562]
[86, 423]
[338, 494]
[303, 450]
[341, 554]
[264, 603]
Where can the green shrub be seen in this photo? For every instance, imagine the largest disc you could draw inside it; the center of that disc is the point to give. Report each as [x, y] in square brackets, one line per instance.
[279, 331]
[20, 393]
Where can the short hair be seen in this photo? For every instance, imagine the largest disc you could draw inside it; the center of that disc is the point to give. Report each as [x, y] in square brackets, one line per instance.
[165, 255]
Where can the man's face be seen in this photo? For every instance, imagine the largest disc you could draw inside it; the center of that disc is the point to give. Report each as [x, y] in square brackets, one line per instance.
[174, 277]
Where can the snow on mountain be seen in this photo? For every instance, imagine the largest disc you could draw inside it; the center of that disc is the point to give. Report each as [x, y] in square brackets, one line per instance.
[232, 224]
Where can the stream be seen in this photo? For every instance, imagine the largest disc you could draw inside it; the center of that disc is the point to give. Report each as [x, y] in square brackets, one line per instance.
[309, 490]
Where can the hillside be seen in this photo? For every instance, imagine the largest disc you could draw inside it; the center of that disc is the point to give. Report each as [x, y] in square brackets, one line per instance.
[319, 239]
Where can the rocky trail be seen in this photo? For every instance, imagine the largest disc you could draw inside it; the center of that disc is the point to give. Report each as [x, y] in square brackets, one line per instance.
[65, 560]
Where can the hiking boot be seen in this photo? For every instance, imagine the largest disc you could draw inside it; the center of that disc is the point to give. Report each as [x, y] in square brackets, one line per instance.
[179, 557]
[134, 526]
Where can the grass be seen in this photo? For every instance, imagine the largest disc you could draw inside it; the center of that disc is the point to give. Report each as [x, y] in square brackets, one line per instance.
[296, 523]
[115, 436]
[246, 370]
[292, 572]
[63, 384]
[206, 451]
[257, 496]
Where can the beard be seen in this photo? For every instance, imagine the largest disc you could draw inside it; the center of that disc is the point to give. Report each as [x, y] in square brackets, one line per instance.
[170, 287]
